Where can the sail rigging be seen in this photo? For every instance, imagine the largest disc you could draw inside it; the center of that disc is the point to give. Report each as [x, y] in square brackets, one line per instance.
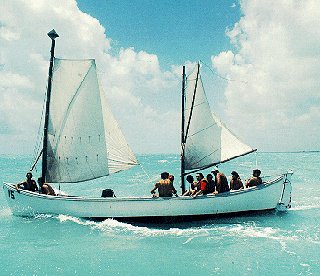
[84, 140]
[208, 141]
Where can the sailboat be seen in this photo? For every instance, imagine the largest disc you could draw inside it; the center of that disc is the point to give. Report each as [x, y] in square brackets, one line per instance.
[82, 141]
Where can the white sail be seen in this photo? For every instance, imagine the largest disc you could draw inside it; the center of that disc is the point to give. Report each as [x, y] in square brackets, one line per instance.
[78, 131]
[208, 141]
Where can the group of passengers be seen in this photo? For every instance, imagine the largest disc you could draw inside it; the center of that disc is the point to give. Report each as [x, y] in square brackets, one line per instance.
[200, 186]
[31, 185]
[204, 186]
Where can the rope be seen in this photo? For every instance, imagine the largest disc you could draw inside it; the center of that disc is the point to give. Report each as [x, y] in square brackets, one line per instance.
[150, 180]
[37, 147]
[215, 73]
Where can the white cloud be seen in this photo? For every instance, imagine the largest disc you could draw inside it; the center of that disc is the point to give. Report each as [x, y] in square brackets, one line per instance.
[273, 97]
[142, 96]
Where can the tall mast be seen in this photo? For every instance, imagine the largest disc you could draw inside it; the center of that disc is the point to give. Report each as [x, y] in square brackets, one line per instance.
[53, 35]
[182, 130]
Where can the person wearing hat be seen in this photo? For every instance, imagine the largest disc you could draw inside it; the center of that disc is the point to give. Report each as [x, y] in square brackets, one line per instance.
[235, 182]
[164, 186]
[255, 179]
[29, 184]
[221, 182]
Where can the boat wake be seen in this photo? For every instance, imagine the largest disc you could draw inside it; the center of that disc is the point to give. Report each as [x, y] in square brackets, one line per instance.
[305, 207]
[249, 230]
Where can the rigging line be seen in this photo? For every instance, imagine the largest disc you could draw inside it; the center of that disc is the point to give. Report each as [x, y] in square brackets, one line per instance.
[215, 73]
[36, 161]
[39, 136]
[205, 157]
[216, 118]
[217, 163]
[150, 180]
[68, 110]
[196, 105]
[121, 162]
[202, 130]
[192, 105]
[256, 153]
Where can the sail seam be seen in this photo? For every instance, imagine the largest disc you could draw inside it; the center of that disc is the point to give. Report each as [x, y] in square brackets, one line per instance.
[62, 126]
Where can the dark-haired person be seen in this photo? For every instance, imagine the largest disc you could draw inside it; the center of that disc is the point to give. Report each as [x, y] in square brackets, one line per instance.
[211, 184]
[221, 182]
[235, 182]
[193, 186]
[164, 186]
[255, 180]
[202, 185]
[45, 188]
[29, 184]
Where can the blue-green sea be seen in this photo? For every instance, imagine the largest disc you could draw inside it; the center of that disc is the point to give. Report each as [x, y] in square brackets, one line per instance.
[256, 244]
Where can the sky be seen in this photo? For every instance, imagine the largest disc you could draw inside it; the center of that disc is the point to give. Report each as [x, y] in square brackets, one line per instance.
[261, 64]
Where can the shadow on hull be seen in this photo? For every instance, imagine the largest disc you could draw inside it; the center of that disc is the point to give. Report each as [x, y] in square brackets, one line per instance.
[170, 220]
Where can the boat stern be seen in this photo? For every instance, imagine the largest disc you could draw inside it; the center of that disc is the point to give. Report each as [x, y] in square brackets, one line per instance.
[285, 199]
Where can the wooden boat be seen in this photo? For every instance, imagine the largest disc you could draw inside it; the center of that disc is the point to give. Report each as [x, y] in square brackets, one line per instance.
[82, 141]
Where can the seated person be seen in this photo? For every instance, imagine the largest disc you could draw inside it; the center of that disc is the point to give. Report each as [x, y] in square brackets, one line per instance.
[29, 184]
[193, 186]
[211, 184]
[45, 188]
[235, 182]
[164, 186]
[255, 180]
[202, 185]
[221, 182]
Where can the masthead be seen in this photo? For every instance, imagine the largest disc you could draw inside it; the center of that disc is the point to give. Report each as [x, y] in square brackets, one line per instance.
[52, 34]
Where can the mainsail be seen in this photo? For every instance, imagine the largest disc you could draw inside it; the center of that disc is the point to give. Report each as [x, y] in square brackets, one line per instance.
[84, 140]
[207, 140]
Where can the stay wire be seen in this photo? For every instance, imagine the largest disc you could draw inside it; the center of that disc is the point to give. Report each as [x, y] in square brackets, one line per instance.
[150, 180]
[221, 77]
[37, 147]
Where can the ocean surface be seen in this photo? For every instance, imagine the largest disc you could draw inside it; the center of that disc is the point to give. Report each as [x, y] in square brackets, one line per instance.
[257, 244]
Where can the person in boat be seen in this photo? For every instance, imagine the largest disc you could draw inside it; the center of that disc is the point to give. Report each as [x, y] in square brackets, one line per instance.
[29, 184]
[45, 188]
[235, 182]
[165, 186]
[221, 182]
[255, 180]
[201, 185]
[193, 186]
[211, 184]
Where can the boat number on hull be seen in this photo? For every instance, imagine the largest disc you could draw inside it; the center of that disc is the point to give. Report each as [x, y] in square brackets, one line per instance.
[11, 194]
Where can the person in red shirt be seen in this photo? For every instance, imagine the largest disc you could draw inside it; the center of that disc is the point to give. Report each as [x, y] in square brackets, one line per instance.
[202, 185]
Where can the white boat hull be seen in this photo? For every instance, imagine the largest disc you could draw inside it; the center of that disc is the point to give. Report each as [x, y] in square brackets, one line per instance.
[275, 194]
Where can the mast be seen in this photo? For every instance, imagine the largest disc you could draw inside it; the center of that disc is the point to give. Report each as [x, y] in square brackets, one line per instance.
[182, 131]
[53, 35]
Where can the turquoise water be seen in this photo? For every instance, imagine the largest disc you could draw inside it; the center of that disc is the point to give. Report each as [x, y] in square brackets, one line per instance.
[265, 244]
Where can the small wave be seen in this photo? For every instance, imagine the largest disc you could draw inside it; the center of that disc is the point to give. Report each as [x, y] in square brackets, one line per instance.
[305, 207]
[114, 226]
[163, 161]
[261, 232]
[284, 248]
[6, 212]
[65, 218]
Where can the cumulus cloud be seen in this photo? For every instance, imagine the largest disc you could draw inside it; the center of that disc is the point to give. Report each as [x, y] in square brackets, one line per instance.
[272, 96]
[140, 93]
